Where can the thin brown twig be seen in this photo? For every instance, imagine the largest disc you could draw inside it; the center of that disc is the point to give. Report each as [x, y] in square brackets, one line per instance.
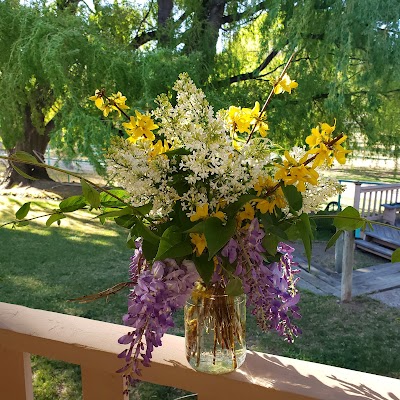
[16, 159]
[271, 93]
[105, 293]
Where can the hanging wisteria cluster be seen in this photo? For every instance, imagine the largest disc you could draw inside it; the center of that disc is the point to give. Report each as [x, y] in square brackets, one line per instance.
[160, 289]
[270, 288]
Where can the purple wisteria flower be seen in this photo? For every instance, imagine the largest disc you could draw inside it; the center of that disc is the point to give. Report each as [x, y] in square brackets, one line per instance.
[159, 290]
[270, 288]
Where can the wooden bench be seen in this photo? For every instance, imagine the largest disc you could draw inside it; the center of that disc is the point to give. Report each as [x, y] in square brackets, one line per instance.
[382, 241]
[389, 212]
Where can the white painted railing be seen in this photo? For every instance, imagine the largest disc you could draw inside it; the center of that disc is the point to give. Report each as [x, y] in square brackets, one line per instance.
[92, 345]
[369, 199]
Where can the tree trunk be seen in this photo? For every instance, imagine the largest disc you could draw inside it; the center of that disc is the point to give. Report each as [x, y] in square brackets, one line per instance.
[163, 18]
[35, 143]
[204, 33]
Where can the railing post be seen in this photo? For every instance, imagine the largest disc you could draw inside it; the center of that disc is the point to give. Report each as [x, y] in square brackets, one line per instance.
[15, 375]
[357, 194]
[339, 254]
[101, 385]
[347, 266]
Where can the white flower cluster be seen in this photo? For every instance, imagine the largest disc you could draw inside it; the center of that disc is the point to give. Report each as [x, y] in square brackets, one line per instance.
[146, 179]
[314, 196]
[205, 169]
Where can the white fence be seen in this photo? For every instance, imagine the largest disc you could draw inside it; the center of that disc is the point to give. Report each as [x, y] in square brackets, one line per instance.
[93, 345]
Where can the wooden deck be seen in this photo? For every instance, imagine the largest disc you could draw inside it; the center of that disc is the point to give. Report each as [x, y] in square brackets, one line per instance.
[366, 281]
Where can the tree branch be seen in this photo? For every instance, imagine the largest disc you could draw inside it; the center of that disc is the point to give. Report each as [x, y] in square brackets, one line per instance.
[146, 37]
[227, 19]
[256, 72]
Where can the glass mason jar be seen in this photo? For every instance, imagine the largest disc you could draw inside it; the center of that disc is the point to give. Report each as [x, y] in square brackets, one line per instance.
[215, 332]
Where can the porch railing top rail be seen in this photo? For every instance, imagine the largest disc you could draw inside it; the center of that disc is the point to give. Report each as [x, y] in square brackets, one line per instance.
[93, 345]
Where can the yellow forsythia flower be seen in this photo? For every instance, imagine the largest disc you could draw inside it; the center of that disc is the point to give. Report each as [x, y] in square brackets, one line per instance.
[285, 85]
[201, 213]
[324, 147]
[239, 119]
[296, 173]
[267, 202]
[98, 99]
[141, 126]
[199, 241]
[159, 148]
[247, 213]
[259, 120]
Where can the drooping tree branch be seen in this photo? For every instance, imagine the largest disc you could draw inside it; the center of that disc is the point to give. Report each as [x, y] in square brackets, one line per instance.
[256, 72]
[145, 37]
[227, 19]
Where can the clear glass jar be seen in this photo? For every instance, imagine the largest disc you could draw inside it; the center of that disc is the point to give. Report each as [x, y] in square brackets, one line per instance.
[215, 332]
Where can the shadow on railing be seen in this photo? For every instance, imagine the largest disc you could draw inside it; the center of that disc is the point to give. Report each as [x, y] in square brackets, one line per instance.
[93, 345]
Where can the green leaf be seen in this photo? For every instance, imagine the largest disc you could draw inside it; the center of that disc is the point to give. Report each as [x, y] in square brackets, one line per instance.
[170, 237]
[144, 231]
[198, 228]
[396, 256]
[22, 223]
[270, 243]
[234, 287]
[217, 234]
[333, 239]
[204, 266]
[107, 200]
[349, 219]
[145, 209]
[293, 196]
[149, 249]
[23, 156]
[22, 173]
[91, 194]
[72, 203]
[179, 250]
[130, 240]
[181, 218]
[117, 213]
[126, 221]
[23, 211]
[293, 232]
[55, 218]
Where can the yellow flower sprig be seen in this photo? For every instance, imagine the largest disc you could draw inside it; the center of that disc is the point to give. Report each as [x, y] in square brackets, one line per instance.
[272, 92]
[141, 126]
[108, 104]
[324, 147]
[298, 172]
[270, 195]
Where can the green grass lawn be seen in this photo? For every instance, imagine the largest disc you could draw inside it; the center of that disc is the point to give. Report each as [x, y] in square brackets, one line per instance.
[43, 267]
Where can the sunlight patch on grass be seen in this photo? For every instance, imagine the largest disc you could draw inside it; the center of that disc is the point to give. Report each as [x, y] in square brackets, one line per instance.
[26, 282]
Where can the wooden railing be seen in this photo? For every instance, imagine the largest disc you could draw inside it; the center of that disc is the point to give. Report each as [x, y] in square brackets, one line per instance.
[92, 345]
[369, 199]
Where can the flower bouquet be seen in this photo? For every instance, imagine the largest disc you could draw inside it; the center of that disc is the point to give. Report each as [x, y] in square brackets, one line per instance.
[209, 201]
